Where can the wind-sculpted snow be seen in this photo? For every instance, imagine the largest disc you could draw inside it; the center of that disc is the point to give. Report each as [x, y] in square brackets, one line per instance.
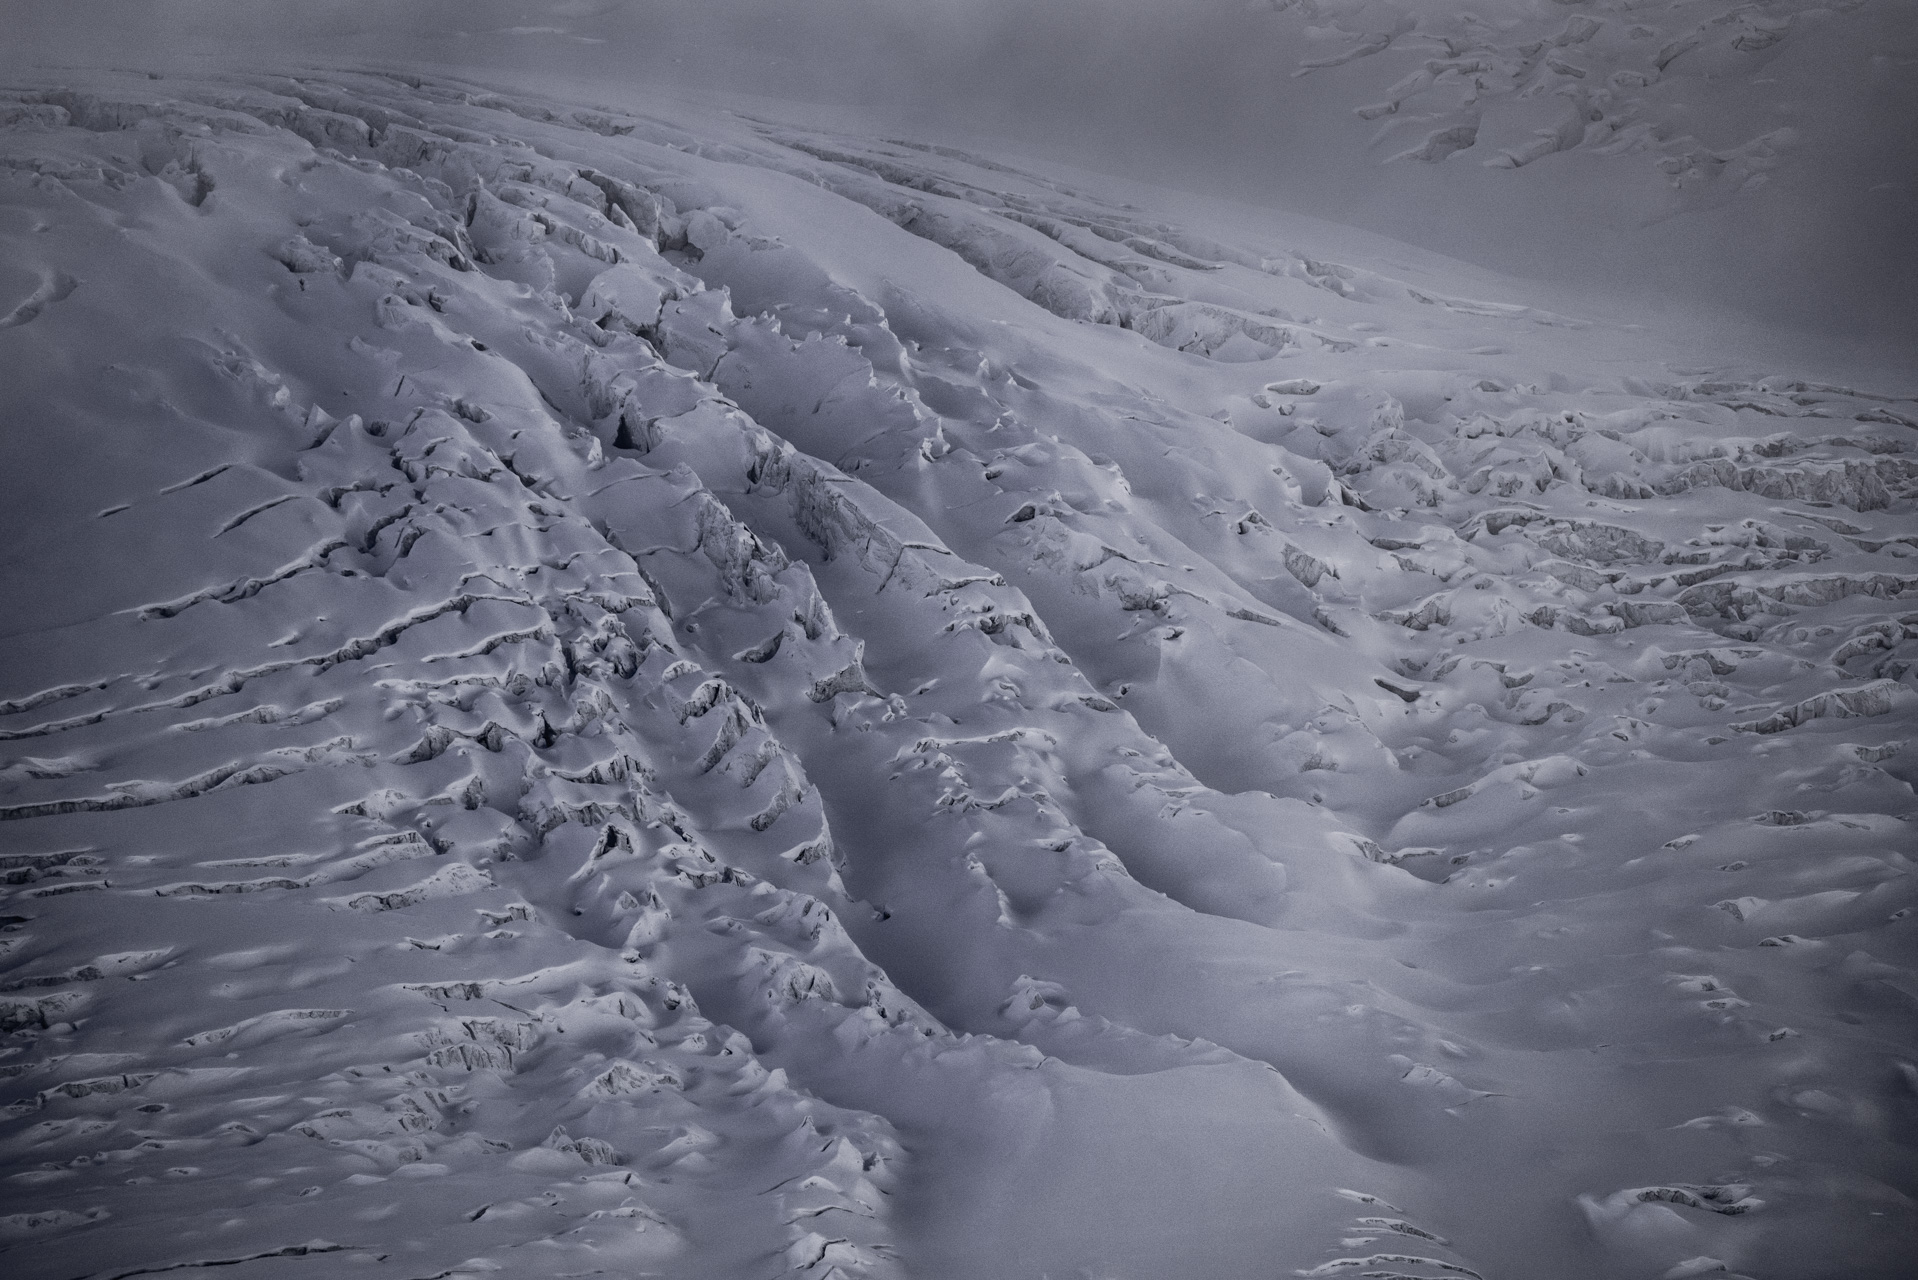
[589, 695]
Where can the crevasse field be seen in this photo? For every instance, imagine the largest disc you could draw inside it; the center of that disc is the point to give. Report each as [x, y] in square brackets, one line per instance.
[601, 685]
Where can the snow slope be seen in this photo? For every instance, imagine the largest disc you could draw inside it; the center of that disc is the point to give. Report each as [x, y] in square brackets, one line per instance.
[1753, 153]
[678, 694]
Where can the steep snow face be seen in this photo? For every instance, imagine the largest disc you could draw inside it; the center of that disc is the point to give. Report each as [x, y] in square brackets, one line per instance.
[588, 692]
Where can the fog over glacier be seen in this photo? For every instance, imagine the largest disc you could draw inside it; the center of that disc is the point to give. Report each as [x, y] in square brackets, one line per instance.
[1213, 95]
[852, 639]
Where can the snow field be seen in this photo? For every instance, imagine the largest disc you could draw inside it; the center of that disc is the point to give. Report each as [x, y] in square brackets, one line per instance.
[706, 698]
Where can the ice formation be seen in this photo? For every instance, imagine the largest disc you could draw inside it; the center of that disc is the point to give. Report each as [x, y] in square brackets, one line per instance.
[588, 692]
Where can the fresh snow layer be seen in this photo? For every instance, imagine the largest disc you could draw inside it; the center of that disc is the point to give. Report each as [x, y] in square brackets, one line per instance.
[596, 693]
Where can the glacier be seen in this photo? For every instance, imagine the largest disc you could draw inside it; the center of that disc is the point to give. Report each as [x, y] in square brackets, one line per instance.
[654, 689]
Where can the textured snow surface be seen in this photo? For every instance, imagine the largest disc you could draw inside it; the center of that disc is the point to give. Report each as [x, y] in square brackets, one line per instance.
[1539, 81]
[584, 693]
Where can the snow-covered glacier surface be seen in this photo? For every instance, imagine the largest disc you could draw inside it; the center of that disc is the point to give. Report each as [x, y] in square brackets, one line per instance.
[588, 692]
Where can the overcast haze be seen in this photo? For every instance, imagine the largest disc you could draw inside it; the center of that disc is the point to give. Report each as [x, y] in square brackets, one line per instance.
[1204, 94]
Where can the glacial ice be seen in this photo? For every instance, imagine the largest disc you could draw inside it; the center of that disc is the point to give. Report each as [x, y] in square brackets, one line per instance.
[587, 692]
